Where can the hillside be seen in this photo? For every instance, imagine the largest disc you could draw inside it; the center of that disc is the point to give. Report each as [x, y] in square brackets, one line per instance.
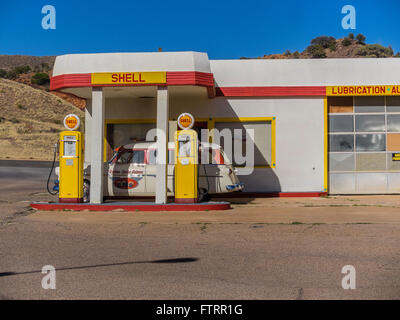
[329, 47]
[9, 62]
[30, 121]
[21, 69]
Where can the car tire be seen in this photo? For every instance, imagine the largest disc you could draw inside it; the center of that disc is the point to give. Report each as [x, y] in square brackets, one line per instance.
[204, 196]
[86, 191]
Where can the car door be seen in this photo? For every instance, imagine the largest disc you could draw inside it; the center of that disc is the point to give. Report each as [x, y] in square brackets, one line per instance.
[126, 174]
[151, 172]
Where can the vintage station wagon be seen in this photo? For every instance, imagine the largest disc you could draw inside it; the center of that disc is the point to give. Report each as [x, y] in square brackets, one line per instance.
[132, 171]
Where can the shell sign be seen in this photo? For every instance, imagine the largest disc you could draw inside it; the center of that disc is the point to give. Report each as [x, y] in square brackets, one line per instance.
[71, 122]
[128, 78]
[185, 121]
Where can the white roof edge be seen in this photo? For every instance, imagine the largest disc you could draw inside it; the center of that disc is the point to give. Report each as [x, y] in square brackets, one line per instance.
[132, 61]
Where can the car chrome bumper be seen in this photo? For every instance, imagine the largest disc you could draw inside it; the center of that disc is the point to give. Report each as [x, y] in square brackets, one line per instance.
[235, 187]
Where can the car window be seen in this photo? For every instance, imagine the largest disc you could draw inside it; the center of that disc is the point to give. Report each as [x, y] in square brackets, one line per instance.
[131, 156]
[153, 155]
[138, 156]
[124, 157]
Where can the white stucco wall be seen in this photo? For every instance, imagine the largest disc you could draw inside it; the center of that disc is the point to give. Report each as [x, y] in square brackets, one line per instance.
[299, 134]
[305, 72]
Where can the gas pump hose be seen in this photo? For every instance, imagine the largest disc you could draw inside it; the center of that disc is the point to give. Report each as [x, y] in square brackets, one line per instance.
[51, 171]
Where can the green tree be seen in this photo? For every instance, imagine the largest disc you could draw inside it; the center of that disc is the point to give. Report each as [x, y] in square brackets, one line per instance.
[324, 41]
[346, 42]
[296, 54]
[3, 73]
[40, 78]
[360, 39]
[316, 51]
[351, 36]
[374, 51]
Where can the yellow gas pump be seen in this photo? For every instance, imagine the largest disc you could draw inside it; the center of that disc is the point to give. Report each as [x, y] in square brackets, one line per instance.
[71, 162]
[186, 161]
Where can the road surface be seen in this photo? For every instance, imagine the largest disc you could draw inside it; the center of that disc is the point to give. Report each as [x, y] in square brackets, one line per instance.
[261, 249]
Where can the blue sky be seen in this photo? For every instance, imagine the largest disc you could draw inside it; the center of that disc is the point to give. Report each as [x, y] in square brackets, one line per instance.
[224, 29]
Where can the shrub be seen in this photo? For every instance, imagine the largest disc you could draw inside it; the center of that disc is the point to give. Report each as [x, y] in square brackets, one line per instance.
[22, 69]
[40, 78]
[374, 51]
[346, 42]
[296, 54]
[316, 51]
[324, 41]
[360, 39]
[351, 36]
[332, 47]
[11, 74]
[3, 73]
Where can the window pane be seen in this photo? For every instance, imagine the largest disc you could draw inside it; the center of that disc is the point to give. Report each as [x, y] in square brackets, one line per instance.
[370, 123]
[124, 157]
[152, 156]
[370, 142]
[369, 104]
[393, 104]
[370, 161]
[262, 140]
[138, 156]
[393, 141]
[341, 123]
[341, 162]
[393, 122]
[341, 142]
[340, 104]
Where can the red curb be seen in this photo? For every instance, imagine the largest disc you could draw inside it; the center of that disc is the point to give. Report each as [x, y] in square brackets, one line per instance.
[131, 207]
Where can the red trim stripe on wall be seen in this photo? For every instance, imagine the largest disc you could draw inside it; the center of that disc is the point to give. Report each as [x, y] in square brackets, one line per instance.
[196, 78]
[270, 91]
[173, 78]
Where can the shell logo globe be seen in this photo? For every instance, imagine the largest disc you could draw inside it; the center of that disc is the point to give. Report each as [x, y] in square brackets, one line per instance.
[185, 121]
[71, 122]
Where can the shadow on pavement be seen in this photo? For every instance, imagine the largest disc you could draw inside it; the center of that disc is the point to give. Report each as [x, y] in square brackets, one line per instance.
[176, 260]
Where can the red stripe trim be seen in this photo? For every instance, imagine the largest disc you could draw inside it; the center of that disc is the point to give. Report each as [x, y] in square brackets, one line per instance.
[197, 79]
[70, 81]
[133, 207]
[270, 91]
[173, 78]
[190, 78]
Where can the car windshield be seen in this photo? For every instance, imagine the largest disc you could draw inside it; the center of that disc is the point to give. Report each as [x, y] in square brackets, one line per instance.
[130, 156]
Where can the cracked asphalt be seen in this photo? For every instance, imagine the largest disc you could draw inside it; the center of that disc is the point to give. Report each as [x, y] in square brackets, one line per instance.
[261, 249]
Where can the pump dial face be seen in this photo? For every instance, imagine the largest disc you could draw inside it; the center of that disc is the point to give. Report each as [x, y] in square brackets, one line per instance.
[71, 122]
[185, 121]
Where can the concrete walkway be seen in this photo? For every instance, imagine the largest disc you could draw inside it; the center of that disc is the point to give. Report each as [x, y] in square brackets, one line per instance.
[329, 210]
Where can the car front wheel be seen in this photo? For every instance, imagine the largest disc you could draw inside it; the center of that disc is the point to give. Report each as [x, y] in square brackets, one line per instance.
[86, 191]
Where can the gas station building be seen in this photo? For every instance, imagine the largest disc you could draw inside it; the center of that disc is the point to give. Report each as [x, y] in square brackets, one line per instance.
[321, 125]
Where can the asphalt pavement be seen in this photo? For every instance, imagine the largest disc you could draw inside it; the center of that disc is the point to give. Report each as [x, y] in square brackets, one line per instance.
[266, 249]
